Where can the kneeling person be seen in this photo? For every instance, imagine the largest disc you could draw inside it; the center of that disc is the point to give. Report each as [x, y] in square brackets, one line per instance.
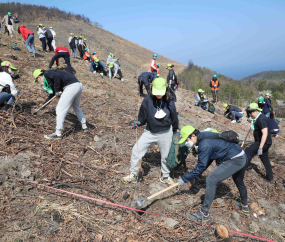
[114, 68]
[54, 82]
[236, 112]
[97, 66]
[230, 159]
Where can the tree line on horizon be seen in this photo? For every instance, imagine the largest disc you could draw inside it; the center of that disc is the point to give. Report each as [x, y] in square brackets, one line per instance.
[30, 12]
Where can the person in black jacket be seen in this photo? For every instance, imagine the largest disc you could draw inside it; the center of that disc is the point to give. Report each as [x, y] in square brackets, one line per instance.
[158, 112]
[56, 82]
[262, 139]
[145, 79]
[230, 160]
[172, 82]
[235, 112]
[72, 45]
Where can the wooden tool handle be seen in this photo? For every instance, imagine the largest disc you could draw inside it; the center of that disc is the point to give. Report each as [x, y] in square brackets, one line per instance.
[162, 191]
[246, 137]
[49, 101]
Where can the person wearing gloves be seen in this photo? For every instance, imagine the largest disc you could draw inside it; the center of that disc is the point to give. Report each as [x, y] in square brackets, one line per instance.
[97, 66]
[235, 112]
[201, 100]
[114, 68]
[42, 37]
[111, 59]
[172, 82]
[29, 37]
[153, 65]
[158, 70]
[64, 53]
[230, 160]
[53, 39]
[9, 21]
[145, 79]
[262, 138]
[66, 87]
[215, 84]
[8, 91]
[158, 112]
[265, 105]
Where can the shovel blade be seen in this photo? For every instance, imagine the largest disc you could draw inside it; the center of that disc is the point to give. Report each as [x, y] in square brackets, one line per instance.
[140, 203]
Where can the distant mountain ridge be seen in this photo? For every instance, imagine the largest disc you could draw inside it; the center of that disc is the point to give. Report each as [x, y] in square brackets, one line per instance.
[268, 75]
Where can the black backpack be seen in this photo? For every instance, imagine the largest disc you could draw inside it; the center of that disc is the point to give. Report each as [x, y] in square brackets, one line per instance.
[229, 136]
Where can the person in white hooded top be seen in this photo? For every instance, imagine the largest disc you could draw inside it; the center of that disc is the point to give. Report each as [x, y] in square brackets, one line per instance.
[8, 91]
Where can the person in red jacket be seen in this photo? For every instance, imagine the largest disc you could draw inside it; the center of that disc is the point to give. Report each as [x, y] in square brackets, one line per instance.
[64, 53]
[28, 36]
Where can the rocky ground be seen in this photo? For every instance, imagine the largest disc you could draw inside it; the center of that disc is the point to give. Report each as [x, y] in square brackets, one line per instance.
[92, 164]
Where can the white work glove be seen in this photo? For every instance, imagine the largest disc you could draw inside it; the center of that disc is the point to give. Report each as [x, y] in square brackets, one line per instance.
[181, 182]
[94, 72]
[259, 152]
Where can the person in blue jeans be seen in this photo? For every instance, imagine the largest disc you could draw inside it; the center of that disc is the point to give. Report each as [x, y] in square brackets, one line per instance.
[8, 91]
[264, 104]
[42, 37]
[236, 112]
[72, 45]
[29, 37]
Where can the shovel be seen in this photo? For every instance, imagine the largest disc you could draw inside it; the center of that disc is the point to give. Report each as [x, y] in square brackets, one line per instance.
[140, 203]
[34, 111]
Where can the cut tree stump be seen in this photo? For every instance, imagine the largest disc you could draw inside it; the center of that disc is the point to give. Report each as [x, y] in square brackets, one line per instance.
[222, 233]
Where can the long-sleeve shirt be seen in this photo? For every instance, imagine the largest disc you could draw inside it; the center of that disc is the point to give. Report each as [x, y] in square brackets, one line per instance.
[110, 59]
[6, 79]
[25, 32]
[115, 68]
[60, 49]
[148, 110]
[6, 19]
[41, 33]
[233, 108]
[69, 39]
[53, 33]
[171, 78]
[153, 65]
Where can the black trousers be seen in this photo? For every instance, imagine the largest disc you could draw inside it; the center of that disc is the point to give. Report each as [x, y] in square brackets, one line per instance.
[142, 82]
[120, 74]
[100, 69]
[251, 151]
[6, 30]
[66, 57]
[44, 44]
[154, 72]
[80, 51]
[49, 40]
[215, 95]
[172, 93]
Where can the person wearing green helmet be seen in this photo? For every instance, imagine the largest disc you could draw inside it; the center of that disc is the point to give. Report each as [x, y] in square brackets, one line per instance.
[230, 160]
[9, 21]
[201, 100]
[68, 89]
[97, 66]
[8, 91]
[262, 138]
[42, 37]
[110, 59]
[158, 112]
[236, 113]
[115, 68]
[172, 81]
[264, 105]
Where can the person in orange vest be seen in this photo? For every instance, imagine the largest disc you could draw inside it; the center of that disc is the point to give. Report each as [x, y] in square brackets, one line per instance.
[158, 70]
[153, 66]
[87, 55]
[214, 84]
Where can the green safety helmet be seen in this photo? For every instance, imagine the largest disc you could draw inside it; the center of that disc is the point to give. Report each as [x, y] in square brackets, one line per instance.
[71, 33]
[267, 94]
[169, 65]
[85, 39]
[214, 131]
[50, 27]
[261, 99]
[185, 132]
[225, 106]
[76, 36]
[253, 107]
[9, 14]
[159, 86]
[200, 90]
[110, 54]
[36, 73]
[40, 24]
[97, 60]
[9, 64]
[80, 37]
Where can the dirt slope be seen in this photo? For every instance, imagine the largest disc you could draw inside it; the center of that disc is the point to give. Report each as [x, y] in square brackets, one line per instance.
[92, 164]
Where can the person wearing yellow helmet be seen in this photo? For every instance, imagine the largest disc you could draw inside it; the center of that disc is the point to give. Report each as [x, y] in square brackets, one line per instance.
[68, 89]
[111, 59]
[42, 37]
[201, 99]
[8, 91]
[262, 138]
[115, 68]
[97, 66]
[158, 112]
[230, 160]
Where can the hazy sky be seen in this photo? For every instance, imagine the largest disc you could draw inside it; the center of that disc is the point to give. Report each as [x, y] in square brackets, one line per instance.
[235, 38]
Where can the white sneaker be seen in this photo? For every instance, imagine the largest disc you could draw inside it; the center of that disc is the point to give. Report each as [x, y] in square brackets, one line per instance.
[122, 79]
[233, 121]
[167, 181]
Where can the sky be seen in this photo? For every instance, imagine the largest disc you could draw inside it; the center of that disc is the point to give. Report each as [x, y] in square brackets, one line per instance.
[234, 38]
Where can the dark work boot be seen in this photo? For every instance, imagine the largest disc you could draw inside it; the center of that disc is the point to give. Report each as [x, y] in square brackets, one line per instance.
[6, 108]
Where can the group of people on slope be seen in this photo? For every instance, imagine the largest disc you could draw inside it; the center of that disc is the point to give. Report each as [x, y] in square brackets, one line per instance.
[159, 114]
[81, 44]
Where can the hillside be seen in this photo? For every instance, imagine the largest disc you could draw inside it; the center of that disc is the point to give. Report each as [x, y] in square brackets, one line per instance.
[268, 75]
[91, 164]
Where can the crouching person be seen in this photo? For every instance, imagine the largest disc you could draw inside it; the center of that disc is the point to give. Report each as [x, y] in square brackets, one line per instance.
[56, 82]
[230, 159]
[97, 66]
[159, 115]
[8, 91]
[114, 68]
[236, 113]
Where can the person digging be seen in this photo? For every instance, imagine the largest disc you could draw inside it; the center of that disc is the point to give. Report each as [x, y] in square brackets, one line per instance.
[145, 79]
[230, 160]
[54, 82]
[236, 113]
[158, 112]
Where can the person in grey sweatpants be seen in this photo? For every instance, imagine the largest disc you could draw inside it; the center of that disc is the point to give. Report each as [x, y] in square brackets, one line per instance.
[159, 113]
[66, 87]
[230, 159]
